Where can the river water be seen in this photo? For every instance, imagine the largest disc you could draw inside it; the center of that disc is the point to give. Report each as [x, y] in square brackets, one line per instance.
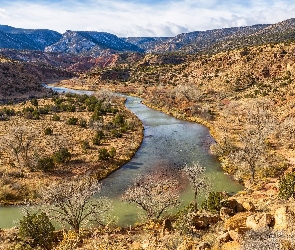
[168, 143]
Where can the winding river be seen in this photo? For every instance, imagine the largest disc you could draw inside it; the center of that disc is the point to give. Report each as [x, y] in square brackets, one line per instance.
[169, 143]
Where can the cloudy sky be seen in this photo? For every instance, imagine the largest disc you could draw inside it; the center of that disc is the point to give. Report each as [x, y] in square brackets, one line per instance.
[142, 17]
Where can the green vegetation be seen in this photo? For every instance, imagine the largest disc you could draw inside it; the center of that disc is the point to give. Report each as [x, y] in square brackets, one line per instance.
[36, 230]
[47, 163]
[287, 186]
[213, 202]
[48, 131]
[61, 156]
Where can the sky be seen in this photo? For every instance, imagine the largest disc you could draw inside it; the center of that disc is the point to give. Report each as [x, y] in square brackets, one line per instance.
[135, 18]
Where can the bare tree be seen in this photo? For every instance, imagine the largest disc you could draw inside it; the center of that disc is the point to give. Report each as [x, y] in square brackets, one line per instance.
[18, 144]
[260, 124]
[198, 180]
[72, 204]
[155, 193]
[250, 153]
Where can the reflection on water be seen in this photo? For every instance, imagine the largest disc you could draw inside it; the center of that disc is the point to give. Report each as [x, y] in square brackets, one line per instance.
[169, 143]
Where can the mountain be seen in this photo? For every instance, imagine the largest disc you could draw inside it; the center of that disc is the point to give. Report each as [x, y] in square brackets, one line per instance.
[27, 39]
[95, 44]
[199, 40]
[146, 43]
[275, 33]
[217, 40]
[91, 43]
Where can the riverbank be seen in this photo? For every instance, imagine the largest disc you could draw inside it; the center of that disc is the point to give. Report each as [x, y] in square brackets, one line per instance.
[21, 184]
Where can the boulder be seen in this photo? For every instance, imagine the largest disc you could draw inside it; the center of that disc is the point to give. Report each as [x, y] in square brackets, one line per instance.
[249, 206]
[232, 245]
[237, 221]
[259, 221]
[203, 221]
[234, 205]
[223, 238]
[238, 234]
[225, 213]
[203, 246]
[283, 218]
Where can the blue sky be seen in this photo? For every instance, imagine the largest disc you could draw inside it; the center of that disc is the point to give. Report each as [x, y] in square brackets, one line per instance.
[142, 18]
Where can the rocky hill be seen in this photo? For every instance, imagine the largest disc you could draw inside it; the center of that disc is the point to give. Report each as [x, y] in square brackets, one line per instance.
[30, 39]
[22, 80]
[91, 43]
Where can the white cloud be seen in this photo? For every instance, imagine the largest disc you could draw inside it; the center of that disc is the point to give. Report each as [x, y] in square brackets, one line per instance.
[131, 18]
[3, 14]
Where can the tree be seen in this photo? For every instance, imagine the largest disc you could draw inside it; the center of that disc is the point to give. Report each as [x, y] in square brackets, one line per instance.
[18, 144]
[197, 178]
[36, 228]
[71, 203]
[155, 193]
[260, 124]
[250, 154]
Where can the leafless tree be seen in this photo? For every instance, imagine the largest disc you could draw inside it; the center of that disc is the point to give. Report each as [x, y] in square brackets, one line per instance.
[71, 203]
[197, 178]
[19, 145]
[260, 124]
[155, 193]
[189, 91]
[250, 153]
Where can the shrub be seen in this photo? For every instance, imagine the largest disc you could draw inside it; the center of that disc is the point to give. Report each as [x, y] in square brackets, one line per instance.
[55, 117]
[72, 121]
[287, 186]
[71, 108]
[45, 164]
[112, 152]
[85, 145]
[116, 133]
[61, 156]
[83, 123]
[119, 120]
[34, 102]
[44, 111]
[103, 154]
[213, 202]
[98, 137]
[48, 131]
[38, 229]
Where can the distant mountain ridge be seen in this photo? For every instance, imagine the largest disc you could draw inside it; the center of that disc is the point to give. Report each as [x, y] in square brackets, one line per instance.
[91, 43]
[27, 39]
[95, 44]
